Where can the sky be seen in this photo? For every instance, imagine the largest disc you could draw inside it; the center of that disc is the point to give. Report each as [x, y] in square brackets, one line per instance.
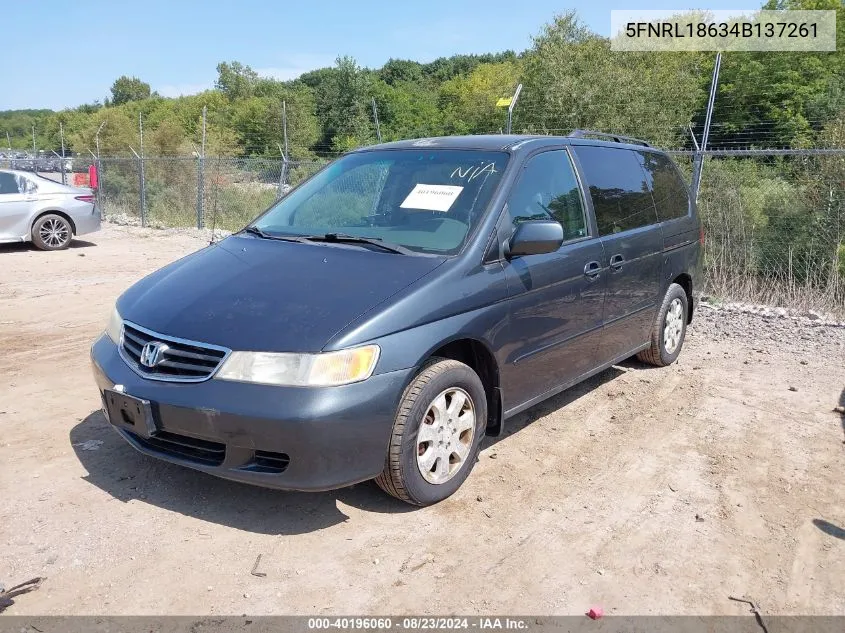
[70, 53]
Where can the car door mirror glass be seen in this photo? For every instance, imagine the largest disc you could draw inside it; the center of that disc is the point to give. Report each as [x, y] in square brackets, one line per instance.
[535, 237]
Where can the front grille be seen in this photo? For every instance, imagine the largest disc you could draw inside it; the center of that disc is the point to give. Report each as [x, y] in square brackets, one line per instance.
[181, 360]
[183, 447]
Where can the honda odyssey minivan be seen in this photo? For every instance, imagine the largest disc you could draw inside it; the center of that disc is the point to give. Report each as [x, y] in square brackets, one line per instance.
[407, 300]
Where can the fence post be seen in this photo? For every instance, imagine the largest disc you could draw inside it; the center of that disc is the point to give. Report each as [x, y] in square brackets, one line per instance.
[698, 163]
[375, 118]
[201, 176]
[62, 134]
[143, 193]
[283, 176]
[98, 167]
[512, 105]
[141, 186]
[143, 183]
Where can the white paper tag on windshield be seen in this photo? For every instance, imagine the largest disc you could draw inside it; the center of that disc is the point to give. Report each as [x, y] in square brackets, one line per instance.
[432, 197]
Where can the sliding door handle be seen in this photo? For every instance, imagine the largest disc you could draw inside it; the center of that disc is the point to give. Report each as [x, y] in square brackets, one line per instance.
[592, 270]
[616, 262]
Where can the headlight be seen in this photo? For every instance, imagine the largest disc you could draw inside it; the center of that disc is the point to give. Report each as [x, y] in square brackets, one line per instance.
[301, 370]
[115, 326]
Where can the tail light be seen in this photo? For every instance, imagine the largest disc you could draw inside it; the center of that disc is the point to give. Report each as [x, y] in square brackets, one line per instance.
[88, 199]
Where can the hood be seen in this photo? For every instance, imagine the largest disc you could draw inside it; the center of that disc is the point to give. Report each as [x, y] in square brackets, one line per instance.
[253, 294]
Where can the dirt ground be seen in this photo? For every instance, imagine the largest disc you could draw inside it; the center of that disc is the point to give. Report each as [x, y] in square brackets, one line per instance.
[646, 491]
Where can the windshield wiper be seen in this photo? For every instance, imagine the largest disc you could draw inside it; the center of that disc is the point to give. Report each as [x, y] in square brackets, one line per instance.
[268, 236]
[343, 238]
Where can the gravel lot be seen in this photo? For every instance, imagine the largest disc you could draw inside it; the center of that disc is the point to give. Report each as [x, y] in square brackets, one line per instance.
[643, 490]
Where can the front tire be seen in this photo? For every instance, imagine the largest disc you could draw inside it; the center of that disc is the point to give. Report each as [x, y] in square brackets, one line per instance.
[52, 232]
[670, 328]
[436, 434]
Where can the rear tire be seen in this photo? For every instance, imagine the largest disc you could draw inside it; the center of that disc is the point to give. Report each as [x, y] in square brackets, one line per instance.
[436, 434]
[670, 328]
[52, 232]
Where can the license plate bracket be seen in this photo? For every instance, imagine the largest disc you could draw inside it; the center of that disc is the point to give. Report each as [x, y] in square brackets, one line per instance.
[130, 413]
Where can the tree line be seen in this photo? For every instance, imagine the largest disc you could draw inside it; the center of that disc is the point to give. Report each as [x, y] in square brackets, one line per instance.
[571, 79]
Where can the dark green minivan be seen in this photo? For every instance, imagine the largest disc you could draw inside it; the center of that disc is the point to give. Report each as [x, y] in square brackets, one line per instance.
[385, 315]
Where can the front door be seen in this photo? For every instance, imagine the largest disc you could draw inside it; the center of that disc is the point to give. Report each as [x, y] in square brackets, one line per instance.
[555, 303]
[633, 246]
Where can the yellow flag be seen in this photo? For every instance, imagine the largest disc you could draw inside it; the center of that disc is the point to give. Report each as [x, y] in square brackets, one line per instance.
[504, 102]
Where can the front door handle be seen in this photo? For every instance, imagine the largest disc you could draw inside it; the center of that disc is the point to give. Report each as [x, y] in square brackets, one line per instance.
[616, 262]
[592, 270]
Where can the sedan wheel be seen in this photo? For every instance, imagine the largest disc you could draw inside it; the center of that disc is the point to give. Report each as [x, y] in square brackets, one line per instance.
[52, 232]
[445, 437]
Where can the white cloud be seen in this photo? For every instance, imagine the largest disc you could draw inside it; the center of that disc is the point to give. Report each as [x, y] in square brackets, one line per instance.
[290, 67]
[293, 66]
[180, 90]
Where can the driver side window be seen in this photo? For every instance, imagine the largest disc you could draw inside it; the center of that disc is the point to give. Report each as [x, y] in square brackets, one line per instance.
[548, 189]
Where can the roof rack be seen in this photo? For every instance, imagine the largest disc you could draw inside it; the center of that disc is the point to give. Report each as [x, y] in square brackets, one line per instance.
[612, 137]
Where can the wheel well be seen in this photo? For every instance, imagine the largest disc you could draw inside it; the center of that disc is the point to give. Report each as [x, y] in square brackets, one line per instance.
[685, 282]
[53, 212]
[476, 355]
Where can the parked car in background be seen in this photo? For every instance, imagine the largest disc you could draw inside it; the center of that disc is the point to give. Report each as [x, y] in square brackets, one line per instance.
[47, 213]
[382, 317]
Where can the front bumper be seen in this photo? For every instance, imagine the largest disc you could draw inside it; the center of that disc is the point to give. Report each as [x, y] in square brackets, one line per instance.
[332, 436]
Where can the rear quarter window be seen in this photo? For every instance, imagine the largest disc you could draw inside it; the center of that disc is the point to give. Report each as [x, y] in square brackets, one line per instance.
[8, 183]
[618, 187]
[671, 196]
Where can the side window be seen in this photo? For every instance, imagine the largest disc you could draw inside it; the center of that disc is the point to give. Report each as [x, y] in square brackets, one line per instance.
[548, 189]
[671, 196]
[618, 187]
[8, 183]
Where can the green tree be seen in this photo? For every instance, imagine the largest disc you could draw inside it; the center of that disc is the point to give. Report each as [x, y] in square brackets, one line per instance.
[258, 124]
[126, 89]
[344, 106]
[781, 99]
[397, 71]
[235, 80]
[468, 101]
[573, 80]
[406, 111]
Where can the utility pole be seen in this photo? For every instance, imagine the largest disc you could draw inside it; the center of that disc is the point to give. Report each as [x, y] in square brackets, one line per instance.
[33, 141]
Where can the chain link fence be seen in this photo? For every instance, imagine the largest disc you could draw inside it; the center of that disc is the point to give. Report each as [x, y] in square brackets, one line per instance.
[173, 192]
[774, 224]
[774, 228]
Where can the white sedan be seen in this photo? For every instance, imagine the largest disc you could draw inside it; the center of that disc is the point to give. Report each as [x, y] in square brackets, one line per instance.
[47, 213]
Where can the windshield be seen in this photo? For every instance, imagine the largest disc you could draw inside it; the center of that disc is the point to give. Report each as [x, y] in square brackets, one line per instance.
[422, 199]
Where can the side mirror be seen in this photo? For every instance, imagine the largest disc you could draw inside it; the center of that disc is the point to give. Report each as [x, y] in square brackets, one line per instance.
[534, 237]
